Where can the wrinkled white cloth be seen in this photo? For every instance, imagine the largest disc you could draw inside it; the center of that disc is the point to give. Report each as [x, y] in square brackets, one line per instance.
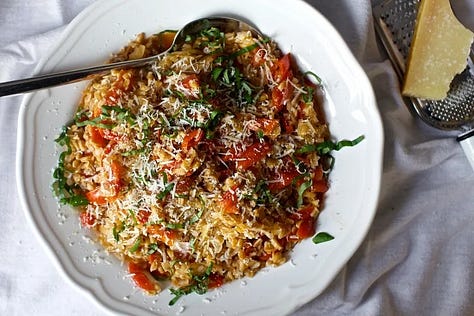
[417, 259]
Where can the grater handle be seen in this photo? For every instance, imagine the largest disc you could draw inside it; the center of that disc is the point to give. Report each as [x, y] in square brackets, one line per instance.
[467, 143]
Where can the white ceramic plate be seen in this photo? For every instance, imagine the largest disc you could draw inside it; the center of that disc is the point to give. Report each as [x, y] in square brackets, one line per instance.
[351, 111]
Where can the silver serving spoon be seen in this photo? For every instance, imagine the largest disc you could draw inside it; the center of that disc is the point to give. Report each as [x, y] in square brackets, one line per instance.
[464, 11]
[225, 24]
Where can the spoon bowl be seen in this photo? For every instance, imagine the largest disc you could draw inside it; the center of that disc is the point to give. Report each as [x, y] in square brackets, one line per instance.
[225, 24]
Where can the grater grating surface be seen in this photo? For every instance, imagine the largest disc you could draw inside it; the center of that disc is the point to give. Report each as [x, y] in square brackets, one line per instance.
[395, 23]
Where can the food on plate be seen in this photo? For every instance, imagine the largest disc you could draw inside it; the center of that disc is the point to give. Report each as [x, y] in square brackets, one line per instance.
[439, 50]
[202, 168]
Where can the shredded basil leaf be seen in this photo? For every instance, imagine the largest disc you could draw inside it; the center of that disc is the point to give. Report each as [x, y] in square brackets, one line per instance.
[116, 231]
[152, 248]
[244, 50]
[322, 237]
[263, 193]
[301, 189]
[212, 123]
[103, 120]
[168, 188]
[134, 152]
[309, 95]
[192, 243]
[196, 217]
[230, 79]
[174, 226]
[97, 122]
[61, 189]
[216, 73]
[76, 200]
[249, 48]
[318, 79]
[328, 146]
[136, 245]
[134, 218]
[213, 39]
[200, 286]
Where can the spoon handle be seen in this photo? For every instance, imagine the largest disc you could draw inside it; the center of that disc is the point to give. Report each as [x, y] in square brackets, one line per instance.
[59, 78]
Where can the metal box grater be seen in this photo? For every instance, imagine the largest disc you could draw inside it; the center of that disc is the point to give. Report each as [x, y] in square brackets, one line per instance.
[395, 23]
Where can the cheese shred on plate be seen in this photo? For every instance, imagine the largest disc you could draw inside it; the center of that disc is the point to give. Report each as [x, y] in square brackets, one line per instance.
[201, 168]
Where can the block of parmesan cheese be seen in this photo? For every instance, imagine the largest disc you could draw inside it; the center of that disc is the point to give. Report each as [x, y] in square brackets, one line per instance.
[439, 50]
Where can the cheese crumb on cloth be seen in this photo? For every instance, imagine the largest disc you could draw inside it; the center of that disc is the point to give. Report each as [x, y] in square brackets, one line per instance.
[200, 168]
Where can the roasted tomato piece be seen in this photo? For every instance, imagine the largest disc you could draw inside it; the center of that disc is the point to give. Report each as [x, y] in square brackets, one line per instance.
[143, 216]
[95, 196]
[286, 123]
[280, 94]
[184, 184]
[96, 137]
[108, 134]
[87, 219]
[115, 176]
[320, 184]
[268, 127]
[192, 139]
[164, 234]
[192, 85]
[277, 99]
[141, 279]
[215, 280]
[282, 68]
[229, 202]
[114, 179]
[283, 178]
[306, 228]
[249, 156]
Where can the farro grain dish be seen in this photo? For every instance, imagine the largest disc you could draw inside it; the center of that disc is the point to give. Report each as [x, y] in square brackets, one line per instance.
[201, 168]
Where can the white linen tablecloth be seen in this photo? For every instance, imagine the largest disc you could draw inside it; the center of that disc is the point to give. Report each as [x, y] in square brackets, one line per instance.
[417, 259]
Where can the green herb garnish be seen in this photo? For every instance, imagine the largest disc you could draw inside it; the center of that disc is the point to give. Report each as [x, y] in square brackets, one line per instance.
[174, 226]
[104, 119]
[196, 217]
[328, 146]
[244, 50]
[117, 230]
[200, 286]
[134, 218]
[315, 76]
[152, 248]
[62, 190]
[322, 237]
[309, 95]
[168, 188]
[249, 48]
[213, 39]
[136, 245]
[230, 81]
[301, 189]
